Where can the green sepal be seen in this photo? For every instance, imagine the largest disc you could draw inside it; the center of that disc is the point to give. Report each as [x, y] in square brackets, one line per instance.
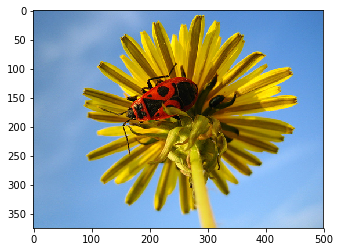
[180, 159]
[174, 111]
[172, 138]
[218, 136]
[200, 126]
[150, 141]
[155, 135]
[166, 125]
[216, 127]
[208, 152]
[185, 118]
[221, 143]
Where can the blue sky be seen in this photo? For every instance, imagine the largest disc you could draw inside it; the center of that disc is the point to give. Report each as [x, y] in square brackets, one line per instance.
[286, 191]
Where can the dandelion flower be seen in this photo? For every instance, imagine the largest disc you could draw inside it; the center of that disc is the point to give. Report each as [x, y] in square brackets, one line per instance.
[204, 142]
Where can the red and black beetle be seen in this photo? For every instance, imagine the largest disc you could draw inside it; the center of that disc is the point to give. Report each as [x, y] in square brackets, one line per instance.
[179, 92]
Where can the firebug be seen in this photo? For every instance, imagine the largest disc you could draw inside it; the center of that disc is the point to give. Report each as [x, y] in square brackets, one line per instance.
[179, 92]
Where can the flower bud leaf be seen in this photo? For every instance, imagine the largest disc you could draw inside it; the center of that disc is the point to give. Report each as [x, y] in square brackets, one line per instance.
[174, 111]
[171, 139]
[185, 118]
[221, 144]
[180, 159]
[155, 135]
[209, 154]
[199, 126]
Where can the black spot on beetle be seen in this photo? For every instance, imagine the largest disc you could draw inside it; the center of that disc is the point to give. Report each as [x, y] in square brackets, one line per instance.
[186, 92]
[216, 101]
[163, 91]
[152, 106]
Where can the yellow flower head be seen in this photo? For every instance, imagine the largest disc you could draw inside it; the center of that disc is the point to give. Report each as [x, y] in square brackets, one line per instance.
[194, 145]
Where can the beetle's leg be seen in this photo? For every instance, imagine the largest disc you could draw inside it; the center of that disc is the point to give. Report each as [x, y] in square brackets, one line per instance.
[127, 140]
[183, 72]
[159, 77]
[132, 98]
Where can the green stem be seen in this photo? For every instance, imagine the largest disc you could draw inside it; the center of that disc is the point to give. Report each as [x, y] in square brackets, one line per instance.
[201, 195]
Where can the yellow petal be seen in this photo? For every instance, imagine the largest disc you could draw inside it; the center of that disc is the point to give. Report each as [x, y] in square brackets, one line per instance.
[230, 90]
[267, 104]
[163, 45]
[237, 163]
[219, 181]
[100, 107]
[238, 70]
[268, 135]
[195, 39]
[139, 163]
[257, 95]
[226, 174]
[123, 163]
[245, 155]
[129, 172]
[166, 184]
[113, 131]
[206, 53]
[140, 184]
[118, 76]
[152, 55]
[106, 98]
[234, 54]
[106, 117]
[137, 54]
[253, 144]
[178, 50]
[183, 41]
[185, 193]
[111, 148]
[118, 131]
[258, 122]
[173, 175]
[271, 78]
[137, 72]
[223, 54]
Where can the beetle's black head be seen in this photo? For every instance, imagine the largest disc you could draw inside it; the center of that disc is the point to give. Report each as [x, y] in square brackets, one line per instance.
[216, 101]
[130, 114]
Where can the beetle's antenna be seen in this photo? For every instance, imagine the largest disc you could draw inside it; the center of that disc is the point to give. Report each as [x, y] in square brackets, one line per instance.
[106, 110]
[127, 140]
[159, 77]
